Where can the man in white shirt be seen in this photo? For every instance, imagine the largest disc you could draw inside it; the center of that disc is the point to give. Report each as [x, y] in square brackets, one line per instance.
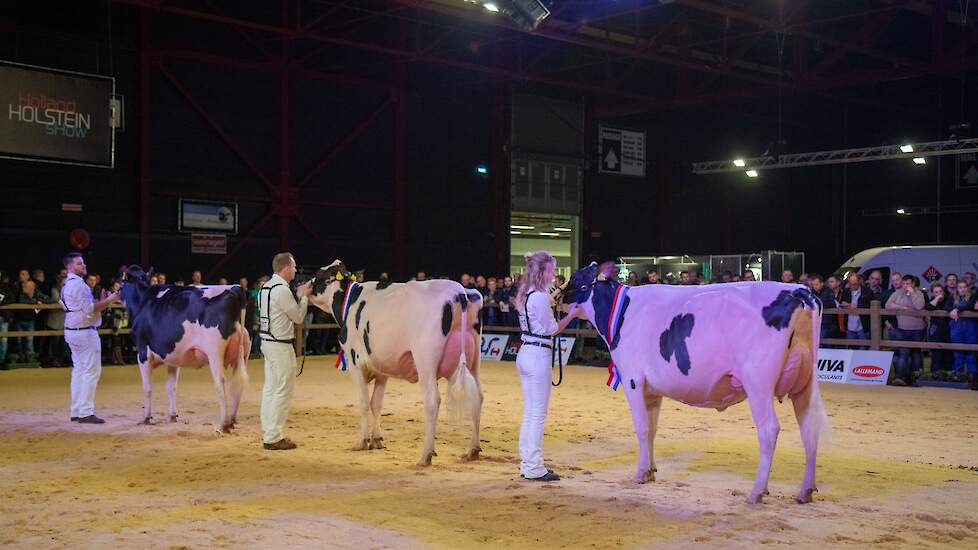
[278, 315]
[83, 315]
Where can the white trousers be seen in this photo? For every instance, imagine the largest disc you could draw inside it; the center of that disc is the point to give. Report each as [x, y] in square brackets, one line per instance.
[533, 363]
[86, 359]
[276, 396]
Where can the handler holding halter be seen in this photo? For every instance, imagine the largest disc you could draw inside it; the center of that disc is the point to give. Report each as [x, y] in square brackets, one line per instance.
[535, 359]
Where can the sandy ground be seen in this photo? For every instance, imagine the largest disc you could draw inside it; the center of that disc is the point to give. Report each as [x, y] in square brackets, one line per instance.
[899, 470]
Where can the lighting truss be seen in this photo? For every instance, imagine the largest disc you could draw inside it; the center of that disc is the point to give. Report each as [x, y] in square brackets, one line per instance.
[840, 156]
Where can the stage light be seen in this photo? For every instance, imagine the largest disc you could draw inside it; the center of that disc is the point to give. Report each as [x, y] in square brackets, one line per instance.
[491, 6]
[562, 229]
[901, 211]
[522, 227]
[907, 148]
[515, 232]
[919, 160]
[481, 169]
[548, 234]
[739, 163]
[751, 173]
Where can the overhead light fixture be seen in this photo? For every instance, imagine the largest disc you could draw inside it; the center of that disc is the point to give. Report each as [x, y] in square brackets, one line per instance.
[522, 227]
[907, 148]
[739, 163]
[548, 234]
[751, 173]
[562, 229]
[919, 160]
[515, 232]
[481, 169]
[491, 6]
[901, 211]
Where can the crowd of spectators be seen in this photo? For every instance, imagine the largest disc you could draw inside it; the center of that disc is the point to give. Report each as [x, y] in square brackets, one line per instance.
[900, 292]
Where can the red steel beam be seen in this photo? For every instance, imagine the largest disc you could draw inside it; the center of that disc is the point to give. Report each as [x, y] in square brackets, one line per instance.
[214, 125]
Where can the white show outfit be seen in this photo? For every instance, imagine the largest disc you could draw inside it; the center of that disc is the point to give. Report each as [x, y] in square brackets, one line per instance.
[278, 315]
[533, 362]
[81, 334]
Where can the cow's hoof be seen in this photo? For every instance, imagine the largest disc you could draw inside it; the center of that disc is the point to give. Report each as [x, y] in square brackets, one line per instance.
[174, 417]
[362, 445]
[148, 421]
[426, 459]
[805, 496]
[757, 498]
[645, 477]
[376, 443]
[225, 429]
[472, 455]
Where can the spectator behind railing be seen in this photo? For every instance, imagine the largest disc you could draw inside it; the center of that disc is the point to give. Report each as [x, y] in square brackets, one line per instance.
[25, 319]
[7, 296]
[748, 275]
[941, 360]
[907, 361]
[830, 325]
[855, 295]
[787, 276]
[964, 331]
[56, 346]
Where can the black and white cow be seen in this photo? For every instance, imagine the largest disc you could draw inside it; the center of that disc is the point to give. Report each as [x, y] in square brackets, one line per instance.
[415, 331]
[189, 327]
[711, 346]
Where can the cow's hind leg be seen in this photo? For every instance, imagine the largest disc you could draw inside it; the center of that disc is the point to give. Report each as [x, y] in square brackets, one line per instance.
[811, 416]
[144, 374]
[172, 377]
[239, 380]
[760, 395]
[428, 380]
[216, 359]
[376, 403]
[361, 377]
[635, 393]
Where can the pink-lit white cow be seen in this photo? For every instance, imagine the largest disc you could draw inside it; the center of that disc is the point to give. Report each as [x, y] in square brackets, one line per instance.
[188, 327]
[711, 346]
[415, 331]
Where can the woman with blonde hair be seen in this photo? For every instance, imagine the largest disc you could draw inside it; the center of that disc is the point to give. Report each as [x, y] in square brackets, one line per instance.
[535, 358]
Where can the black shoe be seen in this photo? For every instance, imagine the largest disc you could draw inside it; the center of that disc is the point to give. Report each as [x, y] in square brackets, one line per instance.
[549, 476]
[549, 471]
[90, 419]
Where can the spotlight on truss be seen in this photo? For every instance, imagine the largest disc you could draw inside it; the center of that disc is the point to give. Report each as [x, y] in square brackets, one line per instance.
[527, 14]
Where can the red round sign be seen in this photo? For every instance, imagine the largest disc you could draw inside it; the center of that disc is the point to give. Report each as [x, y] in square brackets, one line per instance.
[79, 239]
[868, 371]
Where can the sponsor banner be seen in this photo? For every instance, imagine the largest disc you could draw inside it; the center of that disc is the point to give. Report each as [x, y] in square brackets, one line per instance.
[854, 366]
[504, 347]
[208, 216]
[205, 243]
[57, 116]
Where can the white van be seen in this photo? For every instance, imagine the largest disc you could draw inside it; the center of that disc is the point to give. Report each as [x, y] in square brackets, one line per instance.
[929, 263]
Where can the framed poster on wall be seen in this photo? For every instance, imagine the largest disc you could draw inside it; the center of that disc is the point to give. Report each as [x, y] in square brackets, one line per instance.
[205, 216]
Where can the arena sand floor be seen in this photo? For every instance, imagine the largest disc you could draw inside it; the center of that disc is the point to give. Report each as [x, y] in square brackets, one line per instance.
[899, 470]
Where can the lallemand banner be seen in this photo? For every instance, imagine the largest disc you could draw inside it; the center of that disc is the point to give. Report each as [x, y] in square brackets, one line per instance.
[53, 115]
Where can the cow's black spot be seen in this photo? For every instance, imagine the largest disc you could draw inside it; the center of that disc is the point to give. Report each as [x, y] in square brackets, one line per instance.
[157, 323]
[462, 300]
[632, 382]
[778, 313]
[359, 313]
[477, 326]
[446, 318]
[604, 294]
[353, 356]
[366, 339]
[343, 334]
[338, 307]
[367, 330]
[673, 341]
[474, 296]
[381, 285]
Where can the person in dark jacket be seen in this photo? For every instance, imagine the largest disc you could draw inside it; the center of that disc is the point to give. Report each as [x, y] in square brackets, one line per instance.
[855, 295]
[830, 327]
[25, 319]
[964, 331]
[941, 360]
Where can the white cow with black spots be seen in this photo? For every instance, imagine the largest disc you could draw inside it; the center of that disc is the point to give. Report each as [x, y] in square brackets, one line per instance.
[415, 331]
[711, 346]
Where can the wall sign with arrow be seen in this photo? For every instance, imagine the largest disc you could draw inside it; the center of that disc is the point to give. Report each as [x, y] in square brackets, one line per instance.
[621, 151]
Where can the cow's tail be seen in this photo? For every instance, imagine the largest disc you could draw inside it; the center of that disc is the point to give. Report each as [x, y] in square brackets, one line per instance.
[464, 395]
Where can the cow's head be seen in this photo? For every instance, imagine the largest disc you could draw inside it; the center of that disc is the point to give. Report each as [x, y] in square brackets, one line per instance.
[329, 287]
[591, 286]
[134, 282]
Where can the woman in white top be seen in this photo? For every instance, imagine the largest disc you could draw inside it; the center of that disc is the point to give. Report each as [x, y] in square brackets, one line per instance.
[534, 360]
